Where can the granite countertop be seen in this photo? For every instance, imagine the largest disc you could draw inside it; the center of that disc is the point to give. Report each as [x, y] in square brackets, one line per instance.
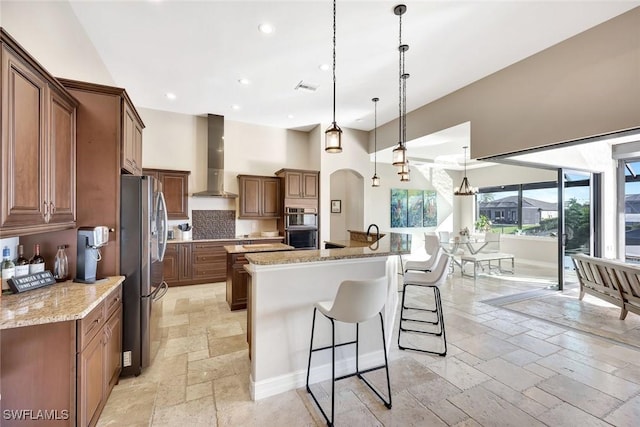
[391, 244]
[258, 247]
[55, 303]
[238, 239]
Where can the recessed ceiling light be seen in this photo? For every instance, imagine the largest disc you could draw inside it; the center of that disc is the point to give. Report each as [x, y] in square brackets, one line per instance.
[324, 67]
[244, 81]
[170, 95]
[235, 107]
[265, 28]
[290, 116]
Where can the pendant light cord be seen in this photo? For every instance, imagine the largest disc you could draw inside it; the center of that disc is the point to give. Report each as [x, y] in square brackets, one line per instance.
[334, 62]
[375, 136]
[400, 124]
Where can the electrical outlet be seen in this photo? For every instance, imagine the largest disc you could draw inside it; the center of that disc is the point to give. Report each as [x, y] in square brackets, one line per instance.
[126, 358]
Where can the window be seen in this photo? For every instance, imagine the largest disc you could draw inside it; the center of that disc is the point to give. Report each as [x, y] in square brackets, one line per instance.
[523, 209]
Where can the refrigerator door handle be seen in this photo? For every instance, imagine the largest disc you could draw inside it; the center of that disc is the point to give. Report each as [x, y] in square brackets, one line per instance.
[165, 230]
[159, 291]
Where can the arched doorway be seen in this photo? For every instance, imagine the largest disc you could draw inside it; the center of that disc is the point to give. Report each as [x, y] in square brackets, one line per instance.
[347, 186]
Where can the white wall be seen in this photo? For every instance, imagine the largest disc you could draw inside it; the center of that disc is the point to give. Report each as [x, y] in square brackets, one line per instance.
[51, 33]
[179, 141]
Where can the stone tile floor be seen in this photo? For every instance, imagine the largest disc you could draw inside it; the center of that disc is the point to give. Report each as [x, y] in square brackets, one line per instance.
[502, 369]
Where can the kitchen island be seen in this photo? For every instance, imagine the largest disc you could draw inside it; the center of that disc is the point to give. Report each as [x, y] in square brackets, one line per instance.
[283, 289]
[237, 276]
[60, 352]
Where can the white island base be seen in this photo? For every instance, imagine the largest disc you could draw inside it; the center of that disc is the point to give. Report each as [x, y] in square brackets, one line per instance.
[280, 315]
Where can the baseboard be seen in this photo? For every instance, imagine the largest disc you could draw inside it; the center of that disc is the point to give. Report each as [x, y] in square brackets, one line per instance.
[292, 381]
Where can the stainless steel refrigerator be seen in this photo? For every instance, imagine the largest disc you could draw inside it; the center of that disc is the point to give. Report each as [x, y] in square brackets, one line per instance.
[143, 240]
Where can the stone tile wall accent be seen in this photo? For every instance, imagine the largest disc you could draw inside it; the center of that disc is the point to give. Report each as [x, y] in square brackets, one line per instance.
[211, 224]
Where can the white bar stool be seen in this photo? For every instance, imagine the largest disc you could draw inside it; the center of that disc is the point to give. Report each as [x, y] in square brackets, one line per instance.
[356, 301]
[426, 265]
[430, 279]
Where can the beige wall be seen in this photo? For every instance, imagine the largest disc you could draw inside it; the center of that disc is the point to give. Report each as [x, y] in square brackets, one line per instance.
[584, 86]
[348, 187]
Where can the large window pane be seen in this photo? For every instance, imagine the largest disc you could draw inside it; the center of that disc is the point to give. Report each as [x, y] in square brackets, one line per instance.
[540, 212]
[632, 212]
[501, 208]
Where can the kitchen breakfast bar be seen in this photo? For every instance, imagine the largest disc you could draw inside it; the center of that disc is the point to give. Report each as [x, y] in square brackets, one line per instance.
[283, 288]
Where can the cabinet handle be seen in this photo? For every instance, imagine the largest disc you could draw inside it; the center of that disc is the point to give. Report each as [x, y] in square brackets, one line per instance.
[45, 212]
[52, 208]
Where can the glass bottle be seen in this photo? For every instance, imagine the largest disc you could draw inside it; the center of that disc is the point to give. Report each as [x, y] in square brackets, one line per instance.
[36, 263]
[22, 263]
[61, 265]
[8, 268]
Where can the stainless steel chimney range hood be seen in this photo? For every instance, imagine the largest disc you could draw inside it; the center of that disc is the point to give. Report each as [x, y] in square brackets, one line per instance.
[215, 159]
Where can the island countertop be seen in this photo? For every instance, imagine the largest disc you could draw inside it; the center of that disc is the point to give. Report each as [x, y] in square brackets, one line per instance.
[390, 244]
[55, 303]
[257, 247]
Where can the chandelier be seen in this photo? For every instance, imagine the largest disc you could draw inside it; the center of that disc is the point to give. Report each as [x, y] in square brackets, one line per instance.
[465, 189]
[399, 156]
[333, 134]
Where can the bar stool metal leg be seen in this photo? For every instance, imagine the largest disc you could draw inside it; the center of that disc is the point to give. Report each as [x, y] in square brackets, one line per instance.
[439, 320]
[359, 373]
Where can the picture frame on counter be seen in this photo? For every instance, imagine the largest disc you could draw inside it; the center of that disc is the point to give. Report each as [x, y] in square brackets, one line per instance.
[336, 206]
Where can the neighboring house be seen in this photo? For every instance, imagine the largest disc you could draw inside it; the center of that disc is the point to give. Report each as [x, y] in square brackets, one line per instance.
[505, 210]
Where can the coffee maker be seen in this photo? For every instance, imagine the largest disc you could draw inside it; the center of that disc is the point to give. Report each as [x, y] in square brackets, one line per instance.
[90, 239]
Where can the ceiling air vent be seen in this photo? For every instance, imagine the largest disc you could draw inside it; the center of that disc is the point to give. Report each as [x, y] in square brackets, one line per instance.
[306, 87]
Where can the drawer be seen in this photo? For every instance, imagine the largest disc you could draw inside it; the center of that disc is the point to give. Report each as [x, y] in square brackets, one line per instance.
[112, 302]
[209, 257]
[90, 326]
[208, 246]
[210, 270]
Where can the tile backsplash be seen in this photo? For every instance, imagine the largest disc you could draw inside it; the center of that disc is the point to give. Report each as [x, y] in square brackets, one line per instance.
[213, 224]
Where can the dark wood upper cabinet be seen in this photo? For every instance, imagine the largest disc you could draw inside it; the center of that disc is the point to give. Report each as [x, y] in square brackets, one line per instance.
[131, 141]
[175, 186]
[259, 196]
[300, 187]
[38, 130]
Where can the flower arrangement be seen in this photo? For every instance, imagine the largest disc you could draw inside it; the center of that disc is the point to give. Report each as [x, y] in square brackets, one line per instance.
[464, 232]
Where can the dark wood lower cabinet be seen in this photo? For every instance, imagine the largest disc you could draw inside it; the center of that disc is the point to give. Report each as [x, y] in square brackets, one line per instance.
[65, 368]
[237, 278]
[197, 262]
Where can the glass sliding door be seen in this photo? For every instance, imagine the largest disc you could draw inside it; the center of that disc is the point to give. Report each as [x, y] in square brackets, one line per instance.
[576, 219]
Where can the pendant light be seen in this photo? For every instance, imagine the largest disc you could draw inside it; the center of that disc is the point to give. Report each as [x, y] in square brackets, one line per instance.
[399, 156]
[465, 189]
[333, 134]
[375, 180]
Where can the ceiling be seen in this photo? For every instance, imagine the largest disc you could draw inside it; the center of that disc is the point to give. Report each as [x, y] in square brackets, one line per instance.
[199, 50]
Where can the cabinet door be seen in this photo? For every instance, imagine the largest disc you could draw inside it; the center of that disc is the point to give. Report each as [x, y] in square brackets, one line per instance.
[62, 160]
[113, 350]
[175, 187]
[91, 385]
[137, 148]
[271, 197]
[128, 136]
[250, 197]
[170, 264]
[310, 185]
[184, 262]
[238, 298]
[24, 154]
[293, 184]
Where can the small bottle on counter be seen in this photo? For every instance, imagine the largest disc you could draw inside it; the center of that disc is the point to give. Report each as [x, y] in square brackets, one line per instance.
[8, 269]
[36, 263]
[22, 263]
[61, 265]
